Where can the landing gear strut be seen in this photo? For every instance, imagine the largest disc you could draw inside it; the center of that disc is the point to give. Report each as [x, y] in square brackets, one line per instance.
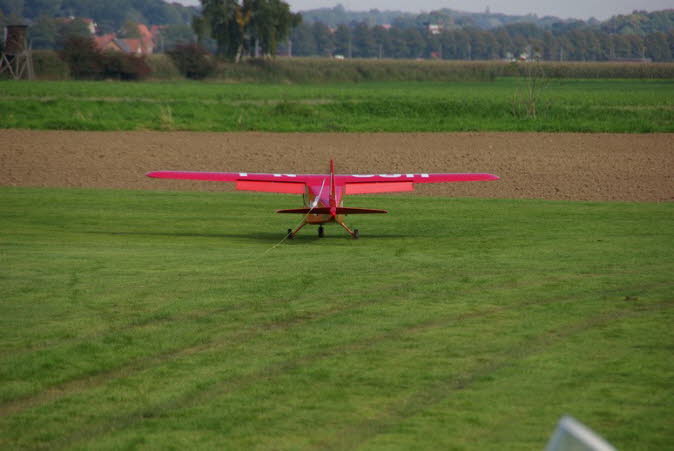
[321, 231]
[354, 233]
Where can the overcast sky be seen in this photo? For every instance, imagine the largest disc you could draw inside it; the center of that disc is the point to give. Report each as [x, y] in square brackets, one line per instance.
[580, 9]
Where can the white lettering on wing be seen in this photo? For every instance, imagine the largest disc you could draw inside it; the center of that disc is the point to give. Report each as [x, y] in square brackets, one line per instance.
[243, 174]
[424, 176]
[284, 175]
[390, 176]
[363, 175]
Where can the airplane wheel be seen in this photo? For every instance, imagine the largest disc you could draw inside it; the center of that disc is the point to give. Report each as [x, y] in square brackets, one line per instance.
[356, 234]
[290, 234]
[321, 232]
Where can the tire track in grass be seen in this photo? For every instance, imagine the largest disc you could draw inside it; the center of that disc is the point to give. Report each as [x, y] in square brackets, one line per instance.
[156, 317]
[356, 435]
[92, 380]
[414, 404]
[89, 381]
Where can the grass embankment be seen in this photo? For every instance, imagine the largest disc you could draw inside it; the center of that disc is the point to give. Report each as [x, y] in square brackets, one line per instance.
[48, 66]
[325, 70]
[561, 106]
[133, 318]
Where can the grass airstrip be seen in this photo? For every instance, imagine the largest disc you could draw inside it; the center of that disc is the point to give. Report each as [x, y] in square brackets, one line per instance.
[174, 320]
[506, 104]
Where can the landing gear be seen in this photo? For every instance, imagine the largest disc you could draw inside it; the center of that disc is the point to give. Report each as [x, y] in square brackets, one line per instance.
[354, 233]
[291, 233]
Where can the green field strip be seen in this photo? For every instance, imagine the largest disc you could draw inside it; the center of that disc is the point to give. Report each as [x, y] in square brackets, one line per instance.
[624, 106]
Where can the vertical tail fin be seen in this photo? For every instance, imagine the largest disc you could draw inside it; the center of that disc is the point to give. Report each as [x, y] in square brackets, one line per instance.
[333, 197]
[333, 201]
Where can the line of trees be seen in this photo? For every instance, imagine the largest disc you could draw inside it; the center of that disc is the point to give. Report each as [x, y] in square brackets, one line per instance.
[638, 22]
[363, 41]
[238, 28]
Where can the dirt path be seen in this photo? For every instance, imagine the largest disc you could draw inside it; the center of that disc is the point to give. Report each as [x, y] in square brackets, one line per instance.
[571, 166]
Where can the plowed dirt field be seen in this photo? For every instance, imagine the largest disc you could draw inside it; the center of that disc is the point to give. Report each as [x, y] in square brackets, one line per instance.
[568, 166]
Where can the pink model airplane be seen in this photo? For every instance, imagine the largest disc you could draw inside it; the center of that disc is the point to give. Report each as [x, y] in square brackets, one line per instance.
[323, 193]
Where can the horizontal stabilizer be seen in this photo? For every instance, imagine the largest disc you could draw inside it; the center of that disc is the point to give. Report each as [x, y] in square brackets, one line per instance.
[326, 211]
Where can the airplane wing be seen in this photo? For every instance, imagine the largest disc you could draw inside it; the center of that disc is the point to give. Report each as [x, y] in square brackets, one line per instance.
[295, 183]
[389, 183]
[268, 183]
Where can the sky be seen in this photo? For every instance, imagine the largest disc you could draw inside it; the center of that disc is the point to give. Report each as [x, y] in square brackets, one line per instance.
[579, 9]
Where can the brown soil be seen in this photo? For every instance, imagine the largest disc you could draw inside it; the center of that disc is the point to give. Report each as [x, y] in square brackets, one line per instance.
[570, 166]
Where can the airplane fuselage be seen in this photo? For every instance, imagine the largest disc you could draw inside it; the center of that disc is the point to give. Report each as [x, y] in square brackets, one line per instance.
[318, 196]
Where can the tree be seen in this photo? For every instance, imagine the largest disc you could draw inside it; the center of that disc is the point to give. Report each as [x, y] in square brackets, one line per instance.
[271, 22]
[325, 44]
[343, 41]
[415, 43]
[130, 30]
[69, 28]
[383, 41]
[172, 35]
[192, 61]
[218, 20]
[43, 33]
[657, 47]
[239, 28]
[399, 47]
[304, 41]
[12, 7]
[36, 8]
[83, 58]
[364, 45]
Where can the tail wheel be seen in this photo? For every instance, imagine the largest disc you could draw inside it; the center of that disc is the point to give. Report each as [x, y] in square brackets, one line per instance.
[321, 232]
[356, 234]
[290, 234]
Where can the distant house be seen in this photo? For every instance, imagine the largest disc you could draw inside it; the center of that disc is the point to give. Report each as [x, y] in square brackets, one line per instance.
[146, 44]
[434, 28]
[109, 42]
[134, 46]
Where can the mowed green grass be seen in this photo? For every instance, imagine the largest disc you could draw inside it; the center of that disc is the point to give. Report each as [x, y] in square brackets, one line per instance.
[174, 320]
[625, 106]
